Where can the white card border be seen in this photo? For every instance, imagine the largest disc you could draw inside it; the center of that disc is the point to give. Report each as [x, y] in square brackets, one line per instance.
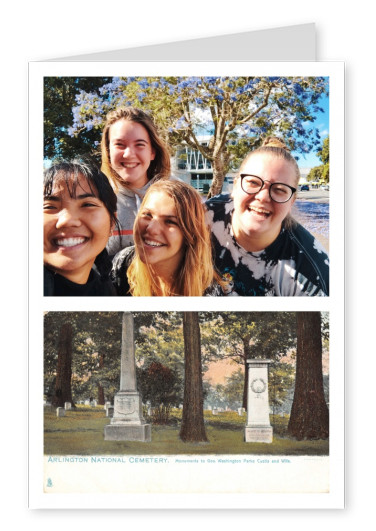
[334, 303]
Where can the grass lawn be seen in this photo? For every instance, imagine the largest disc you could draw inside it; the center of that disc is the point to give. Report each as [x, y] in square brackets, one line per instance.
[81, 432]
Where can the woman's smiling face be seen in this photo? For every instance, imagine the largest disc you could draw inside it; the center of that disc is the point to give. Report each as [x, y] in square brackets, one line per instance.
[159, 238]
[131, 152]
[76, 230]
[257, 219]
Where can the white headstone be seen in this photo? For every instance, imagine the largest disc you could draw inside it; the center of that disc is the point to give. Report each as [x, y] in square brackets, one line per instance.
[258, 428]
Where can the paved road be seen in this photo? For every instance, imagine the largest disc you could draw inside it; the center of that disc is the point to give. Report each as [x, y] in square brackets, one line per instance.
[311, 209]
[315, 196]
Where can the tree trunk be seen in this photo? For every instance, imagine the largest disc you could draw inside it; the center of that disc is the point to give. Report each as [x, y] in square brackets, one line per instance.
[309, 413]
[192, 426]
[247, 355]
[220, 167]
[99, 385]
[63, 390]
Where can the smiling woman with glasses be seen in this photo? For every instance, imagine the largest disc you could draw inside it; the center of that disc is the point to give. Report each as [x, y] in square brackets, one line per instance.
[259, 248]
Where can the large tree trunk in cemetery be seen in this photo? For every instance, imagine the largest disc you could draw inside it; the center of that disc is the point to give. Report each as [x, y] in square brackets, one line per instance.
[247, 354]
[101, 398]
[63, 390]
[309, 413]
[192, 427]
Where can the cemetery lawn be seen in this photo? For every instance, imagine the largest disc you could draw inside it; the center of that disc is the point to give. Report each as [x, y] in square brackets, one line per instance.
[81, 432]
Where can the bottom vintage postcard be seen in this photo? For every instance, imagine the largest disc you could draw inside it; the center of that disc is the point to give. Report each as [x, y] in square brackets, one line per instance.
[189, 409]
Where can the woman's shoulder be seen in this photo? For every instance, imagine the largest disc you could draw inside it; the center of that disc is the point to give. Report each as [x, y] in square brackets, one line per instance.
[125, 254]
[48, 282]
[311, 258]
[219, 208]
[218, 200]
[214, 290]
[120, 264]
[306, 240]
[123, 257]
[58, 285]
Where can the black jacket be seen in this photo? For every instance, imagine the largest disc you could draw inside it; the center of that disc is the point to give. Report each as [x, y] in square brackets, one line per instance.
[96, 286]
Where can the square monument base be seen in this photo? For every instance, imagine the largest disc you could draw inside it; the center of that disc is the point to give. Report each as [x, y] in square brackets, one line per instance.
[127, 432]
[258, 434]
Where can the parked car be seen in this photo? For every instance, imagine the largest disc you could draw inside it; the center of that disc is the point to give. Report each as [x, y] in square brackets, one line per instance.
[304, 188]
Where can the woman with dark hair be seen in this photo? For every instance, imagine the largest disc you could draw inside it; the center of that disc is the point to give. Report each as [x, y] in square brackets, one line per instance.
[259, 248]
[172, 253]
[79, 214]
[134, 157]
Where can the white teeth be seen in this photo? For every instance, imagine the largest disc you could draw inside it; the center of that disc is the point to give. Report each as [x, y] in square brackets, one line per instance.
[153, 244]
[130, 165]
[70, 242]
[260, 211]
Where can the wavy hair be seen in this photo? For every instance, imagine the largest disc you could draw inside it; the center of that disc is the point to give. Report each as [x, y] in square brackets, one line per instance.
[196, 272]
[159, 168]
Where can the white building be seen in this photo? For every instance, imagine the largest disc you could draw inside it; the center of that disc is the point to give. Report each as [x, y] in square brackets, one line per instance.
[192, 167]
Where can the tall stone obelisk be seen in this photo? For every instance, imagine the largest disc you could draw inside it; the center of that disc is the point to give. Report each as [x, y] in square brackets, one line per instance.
[127, 423]
[258, 428]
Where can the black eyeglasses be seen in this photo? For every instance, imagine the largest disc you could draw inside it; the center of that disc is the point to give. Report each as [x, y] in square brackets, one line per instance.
[278, 192]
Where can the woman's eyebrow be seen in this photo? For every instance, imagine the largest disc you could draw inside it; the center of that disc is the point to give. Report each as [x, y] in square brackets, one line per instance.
[85, 196]
[51, 197]
[57, 197]
[148, 211]
[135, 140]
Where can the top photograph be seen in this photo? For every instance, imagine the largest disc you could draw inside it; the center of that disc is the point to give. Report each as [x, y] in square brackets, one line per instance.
[186, 186]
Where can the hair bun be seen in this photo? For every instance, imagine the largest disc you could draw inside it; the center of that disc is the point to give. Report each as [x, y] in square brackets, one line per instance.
[273, 141]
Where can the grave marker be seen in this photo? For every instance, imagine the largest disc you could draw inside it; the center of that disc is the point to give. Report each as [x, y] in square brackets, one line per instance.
[127, 424]
[258, 428]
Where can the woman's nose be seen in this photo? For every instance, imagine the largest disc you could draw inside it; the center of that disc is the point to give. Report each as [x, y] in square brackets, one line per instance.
[153, 226]
[67, 217]
[127, 152]
[263, 193]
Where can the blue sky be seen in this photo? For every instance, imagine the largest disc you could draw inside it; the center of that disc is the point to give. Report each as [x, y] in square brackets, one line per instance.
[322, 123]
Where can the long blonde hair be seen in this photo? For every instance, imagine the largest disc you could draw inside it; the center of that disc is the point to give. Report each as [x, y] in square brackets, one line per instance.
[159, 168]
[196, 272]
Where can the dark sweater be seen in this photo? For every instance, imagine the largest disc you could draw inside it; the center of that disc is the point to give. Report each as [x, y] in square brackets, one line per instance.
[57, 285]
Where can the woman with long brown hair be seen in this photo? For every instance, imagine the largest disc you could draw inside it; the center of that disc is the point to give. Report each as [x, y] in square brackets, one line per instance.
[172, 253]
[134, 156]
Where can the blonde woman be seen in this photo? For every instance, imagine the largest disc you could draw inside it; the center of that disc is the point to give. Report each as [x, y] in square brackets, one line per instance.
[259, 249]
[134, 156]
[172, 253]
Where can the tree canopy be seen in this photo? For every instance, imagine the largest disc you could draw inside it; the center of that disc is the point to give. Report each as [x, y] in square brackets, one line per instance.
[321, 173]
[234, 112]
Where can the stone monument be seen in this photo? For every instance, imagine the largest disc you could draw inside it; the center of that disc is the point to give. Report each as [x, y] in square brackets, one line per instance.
[258, 428]
[127, 423]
